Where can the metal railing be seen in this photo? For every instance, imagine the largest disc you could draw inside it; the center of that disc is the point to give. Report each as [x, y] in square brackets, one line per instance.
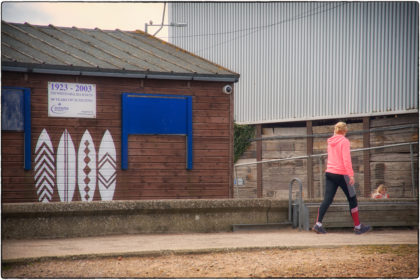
[298, 212]
[352, 151]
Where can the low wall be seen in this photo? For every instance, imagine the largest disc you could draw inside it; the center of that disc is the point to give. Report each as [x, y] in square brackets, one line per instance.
[377, 213]
[78, 219]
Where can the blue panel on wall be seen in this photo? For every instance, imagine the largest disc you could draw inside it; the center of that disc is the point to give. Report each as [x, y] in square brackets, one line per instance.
[12, 109]
[16, 116]
[153, 114]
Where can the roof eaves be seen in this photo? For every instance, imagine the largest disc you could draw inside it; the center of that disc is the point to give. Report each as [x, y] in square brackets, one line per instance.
[95, 72]
[217, 78]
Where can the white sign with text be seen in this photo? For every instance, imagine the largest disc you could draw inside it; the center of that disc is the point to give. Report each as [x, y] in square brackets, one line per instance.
[71, 100]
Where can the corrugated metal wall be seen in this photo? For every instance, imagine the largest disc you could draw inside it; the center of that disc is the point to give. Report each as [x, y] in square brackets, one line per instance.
[308, 60]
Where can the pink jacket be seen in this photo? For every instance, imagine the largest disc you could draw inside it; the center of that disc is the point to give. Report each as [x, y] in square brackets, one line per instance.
[339, 159]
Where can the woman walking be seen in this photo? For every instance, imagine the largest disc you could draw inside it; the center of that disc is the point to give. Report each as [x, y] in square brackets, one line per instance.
[339, 173]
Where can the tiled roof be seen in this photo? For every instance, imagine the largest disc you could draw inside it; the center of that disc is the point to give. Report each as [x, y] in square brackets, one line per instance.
[96, 52]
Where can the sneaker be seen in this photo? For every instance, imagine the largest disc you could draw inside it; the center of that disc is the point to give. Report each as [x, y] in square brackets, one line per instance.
[319, 229]
[363, 229]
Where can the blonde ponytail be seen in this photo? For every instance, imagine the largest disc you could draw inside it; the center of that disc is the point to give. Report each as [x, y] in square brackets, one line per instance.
[340, 128]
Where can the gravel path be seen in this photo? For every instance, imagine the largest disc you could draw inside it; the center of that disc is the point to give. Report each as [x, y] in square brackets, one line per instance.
[366, 261]
[286, 253]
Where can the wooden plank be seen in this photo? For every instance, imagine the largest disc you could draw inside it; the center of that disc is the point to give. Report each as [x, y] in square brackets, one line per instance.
[209, 106]
[394, 157]
[309, 166]
[289, 131]
[278, 145]
[393, 120]
[217, 120]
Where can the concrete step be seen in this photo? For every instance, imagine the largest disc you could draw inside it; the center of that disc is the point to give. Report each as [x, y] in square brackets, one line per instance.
[270, 226]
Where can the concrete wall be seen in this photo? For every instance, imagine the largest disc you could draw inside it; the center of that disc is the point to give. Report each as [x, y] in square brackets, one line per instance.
[78, 219]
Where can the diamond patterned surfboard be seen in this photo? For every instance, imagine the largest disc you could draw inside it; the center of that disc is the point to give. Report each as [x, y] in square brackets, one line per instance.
[107, 164]
[86, 167]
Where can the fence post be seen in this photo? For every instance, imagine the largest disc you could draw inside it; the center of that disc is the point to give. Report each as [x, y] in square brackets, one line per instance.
[366, 156]
[259, 165]
[290, 200]
[412, 170]
[309, 152]
[321, 181]
[235, 182]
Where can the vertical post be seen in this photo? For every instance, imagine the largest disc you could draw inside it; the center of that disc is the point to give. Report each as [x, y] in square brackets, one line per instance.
[189, 133]
[290, 200]
[235, 184]
[259, 165]
[231, 149]
[124, 134]
[27, 129]
[309, 152]
[366, 156]
[321, 180]
[300, 205]
[412, 171]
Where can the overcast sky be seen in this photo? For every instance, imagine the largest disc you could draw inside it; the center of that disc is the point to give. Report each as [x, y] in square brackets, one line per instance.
[127, 16]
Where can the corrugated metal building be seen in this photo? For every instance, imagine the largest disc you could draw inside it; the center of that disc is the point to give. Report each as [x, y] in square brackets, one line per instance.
[305, 65]
[308, 60]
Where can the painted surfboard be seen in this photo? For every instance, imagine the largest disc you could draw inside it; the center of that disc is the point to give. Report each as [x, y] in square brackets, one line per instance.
[86, 167]
[66, 167]
[44, 167]
[107, 165]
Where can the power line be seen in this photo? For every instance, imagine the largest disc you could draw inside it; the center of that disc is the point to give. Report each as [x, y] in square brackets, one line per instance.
[298, 17]
[252, 30]
[233, 31]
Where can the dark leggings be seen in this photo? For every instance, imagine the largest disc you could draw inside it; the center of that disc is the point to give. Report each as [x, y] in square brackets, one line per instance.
[332, 182]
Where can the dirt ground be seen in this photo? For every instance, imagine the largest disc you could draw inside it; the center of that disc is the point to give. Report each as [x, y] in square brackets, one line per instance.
[391, 261]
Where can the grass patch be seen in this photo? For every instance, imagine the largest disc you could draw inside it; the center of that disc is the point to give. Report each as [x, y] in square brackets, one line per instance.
[399, 250]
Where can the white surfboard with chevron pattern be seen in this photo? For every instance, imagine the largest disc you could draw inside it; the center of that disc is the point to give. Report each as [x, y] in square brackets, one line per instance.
[86, 167]
[44, 167]
[107, 164]
[66, 167]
